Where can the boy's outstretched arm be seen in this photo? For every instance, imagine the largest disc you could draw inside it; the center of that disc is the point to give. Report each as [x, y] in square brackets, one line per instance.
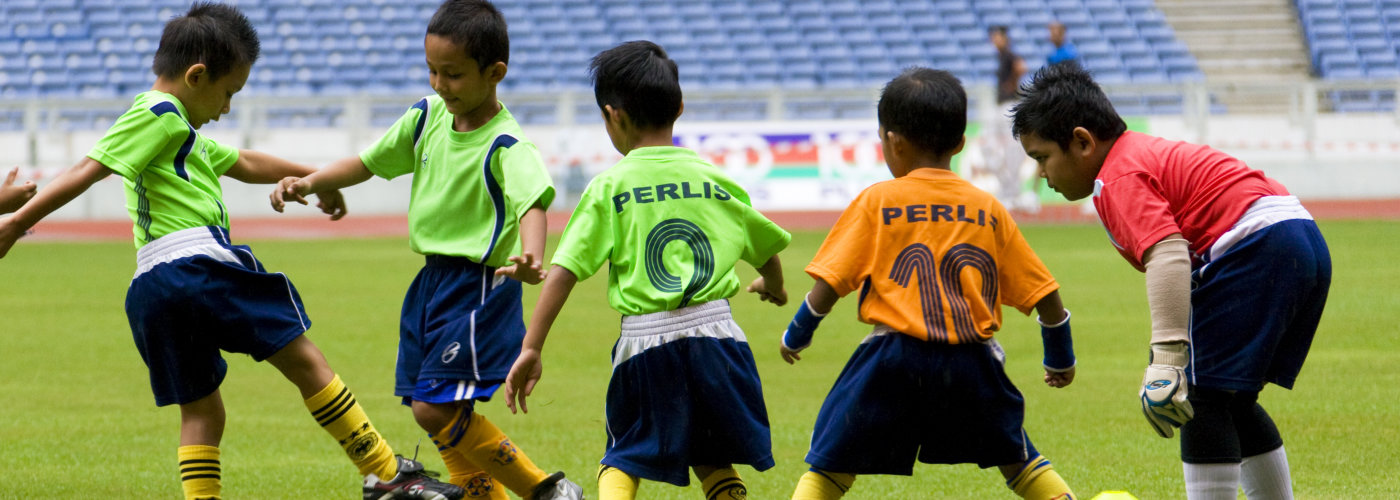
[526, 371]
[528, 267]
[813, 309]
[1056, 340]
[261, 168]
[67, 186]
[769, 284]
[11, 196]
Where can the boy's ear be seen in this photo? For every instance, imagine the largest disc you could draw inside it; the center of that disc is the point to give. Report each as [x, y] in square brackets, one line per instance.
[1084, 140]
[496, 72]
[614, 116]
[962, 141]
[196, 74]
[899, 146]
[680, 111]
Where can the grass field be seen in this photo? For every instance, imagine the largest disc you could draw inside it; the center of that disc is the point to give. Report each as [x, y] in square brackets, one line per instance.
[77, 419]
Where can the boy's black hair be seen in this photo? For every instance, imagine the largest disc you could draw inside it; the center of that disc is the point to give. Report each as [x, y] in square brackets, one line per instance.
[1061, 97]
[475, 25]
[926, 106]
[999, 28]
[215, 34]
[638, 77]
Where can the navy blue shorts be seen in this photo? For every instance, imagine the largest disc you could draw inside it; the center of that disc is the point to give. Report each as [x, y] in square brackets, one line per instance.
[1255, 308]
[461, 328]
[685, 392]
[194, 295]
[901, 399]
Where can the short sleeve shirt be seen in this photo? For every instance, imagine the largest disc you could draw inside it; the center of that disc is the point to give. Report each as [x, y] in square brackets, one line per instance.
[671, 226]
[469, 188]
[933, 257]
[170, 172]
[1149, 188]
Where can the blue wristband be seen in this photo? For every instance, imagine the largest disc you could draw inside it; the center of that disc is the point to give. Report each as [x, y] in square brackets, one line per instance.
[1058, 345]
[799, 332]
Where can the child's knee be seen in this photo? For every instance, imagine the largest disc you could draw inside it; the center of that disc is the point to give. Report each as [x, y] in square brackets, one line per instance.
[433, 417]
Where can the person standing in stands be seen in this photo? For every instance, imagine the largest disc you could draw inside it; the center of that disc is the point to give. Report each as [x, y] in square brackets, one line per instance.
[1003, 154]
[1065, 51]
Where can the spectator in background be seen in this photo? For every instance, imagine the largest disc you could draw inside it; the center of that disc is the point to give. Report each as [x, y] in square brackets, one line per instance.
[1065, 51]
[1003, 154]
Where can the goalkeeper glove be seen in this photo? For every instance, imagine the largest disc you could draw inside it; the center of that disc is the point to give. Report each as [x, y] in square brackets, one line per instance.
[799, 332]
[1164, 388]
[1058, 345]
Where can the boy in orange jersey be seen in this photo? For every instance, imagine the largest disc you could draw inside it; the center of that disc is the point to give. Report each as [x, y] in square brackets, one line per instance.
[933, 258]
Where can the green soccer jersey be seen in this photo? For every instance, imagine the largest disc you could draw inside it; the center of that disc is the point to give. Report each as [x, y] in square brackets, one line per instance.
[170, 171]
[672, 226]
[469, 188]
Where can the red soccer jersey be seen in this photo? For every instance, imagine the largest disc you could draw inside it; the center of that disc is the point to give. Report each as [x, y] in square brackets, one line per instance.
[933, 257]
[1151, 187]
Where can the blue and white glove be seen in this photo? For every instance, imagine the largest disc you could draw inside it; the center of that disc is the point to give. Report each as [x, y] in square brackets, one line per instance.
[799, 332]
[1164, 388]
[1058, 345]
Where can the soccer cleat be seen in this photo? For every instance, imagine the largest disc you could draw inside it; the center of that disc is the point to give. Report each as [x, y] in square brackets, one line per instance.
[555, 487]
[412, 482]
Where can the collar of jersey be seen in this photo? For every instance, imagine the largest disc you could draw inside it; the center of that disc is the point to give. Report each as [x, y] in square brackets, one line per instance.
[932, 173]
[661, 152]
[162, 96]
[483, 133]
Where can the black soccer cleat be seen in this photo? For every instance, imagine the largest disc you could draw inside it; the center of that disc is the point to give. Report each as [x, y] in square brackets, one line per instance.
[411, 483]
[555, 487]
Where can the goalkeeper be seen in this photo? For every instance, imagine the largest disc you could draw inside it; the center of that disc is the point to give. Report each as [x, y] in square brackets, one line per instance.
[934, 258]
[1237, 275]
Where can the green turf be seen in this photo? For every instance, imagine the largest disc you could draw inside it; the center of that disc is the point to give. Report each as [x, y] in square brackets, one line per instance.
[77, 419]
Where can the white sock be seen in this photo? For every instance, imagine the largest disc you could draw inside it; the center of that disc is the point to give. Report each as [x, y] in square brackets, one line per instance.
[1265, 476]
[1212, 481]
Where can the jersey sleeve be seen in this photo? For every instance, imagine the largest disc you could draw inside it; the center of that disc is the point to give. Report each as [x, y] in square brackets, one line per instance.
[136, 138]
[765, 238]
[588, 239]
[221, 156]
[394, 154]
[1022, 277]
[526, 179]
[1136, 214]
[846, 257]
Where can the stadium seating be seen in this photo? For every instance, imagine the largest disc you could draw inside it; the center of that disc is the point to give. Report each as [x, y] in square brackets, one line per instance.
[1354, 40]
[102, 48]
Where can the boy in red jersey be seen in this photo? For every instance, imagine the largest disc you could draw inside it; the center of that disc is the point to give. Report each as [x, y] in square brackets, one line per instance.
[1237, 275]
[934, 258]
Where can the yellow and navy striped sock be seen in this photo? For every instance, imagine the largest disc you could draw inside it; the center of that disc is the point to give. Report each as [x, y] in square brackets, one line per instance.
[482, 443]
[724, 484]
[335, 408]
[476, 481]
[200, 473]
[818, 484]
[613, 484]
[1039, 481]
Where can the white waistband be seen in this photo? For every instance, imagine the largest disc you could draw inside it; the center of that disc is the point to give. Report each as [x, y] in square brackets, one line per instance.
[184, 243]
[667, 321]
[1264, 212]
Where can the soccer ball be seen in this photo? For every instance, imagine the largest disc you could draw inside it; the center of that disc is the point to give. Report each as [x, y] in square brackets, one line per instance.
[1114, 495]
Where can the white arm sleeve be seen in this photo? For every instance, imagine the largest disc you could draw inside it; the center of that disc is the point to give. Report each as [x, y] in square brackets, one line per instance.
[1168, 266]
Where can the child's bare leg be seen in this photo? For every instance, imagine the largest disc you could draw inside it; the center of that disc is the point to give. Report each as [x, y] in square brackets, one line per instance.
[335, 407]
[201, 428]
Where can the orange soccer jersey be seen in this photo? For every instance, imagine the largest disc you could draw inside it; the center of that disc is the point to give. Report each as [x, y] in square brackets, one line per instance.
[933, 256]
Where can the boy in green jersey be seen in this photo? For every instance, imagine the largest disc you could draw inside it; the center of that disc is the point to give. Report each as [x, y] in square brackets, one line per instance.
[194, 293]
[684, 393]
[477, 214]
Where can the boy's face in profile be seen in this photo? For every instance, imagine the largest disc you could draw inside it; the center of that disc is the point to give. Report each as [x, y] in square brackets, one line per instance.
[1066, 170]
[462, 83]
[206, 100]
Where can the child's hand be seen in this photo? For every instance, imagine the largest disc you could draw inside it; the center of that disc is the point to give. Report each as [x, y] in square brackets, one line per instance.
[524, 374]
[789, 355]
[331, 203]
[1059, 379]
[760, 287]
[524, 269]
[289, 189]
[11, 196]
